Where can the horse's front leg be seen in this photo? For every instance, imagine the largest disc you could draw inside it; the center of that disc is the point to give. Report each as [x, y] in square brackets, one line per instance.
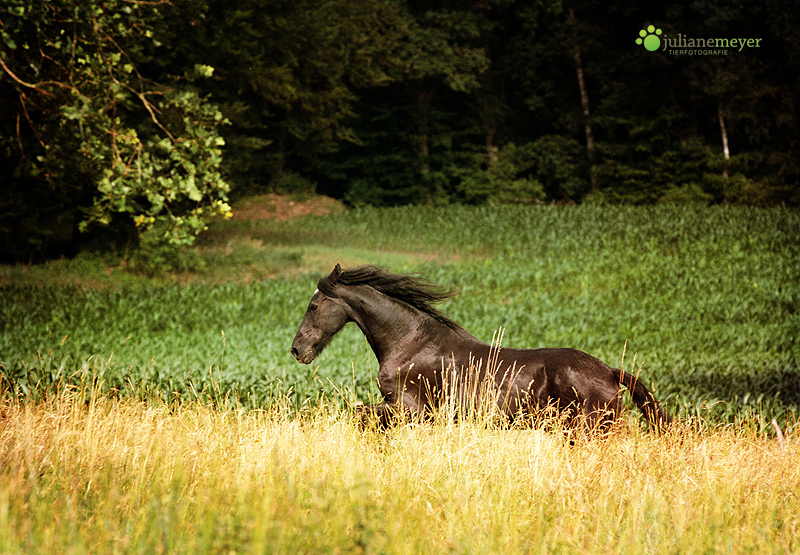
[381, 415]
[387, 413]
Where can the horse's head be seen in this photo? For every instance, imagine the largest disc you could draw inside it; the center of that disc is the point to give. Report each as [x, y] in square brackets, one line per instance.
[325, 316]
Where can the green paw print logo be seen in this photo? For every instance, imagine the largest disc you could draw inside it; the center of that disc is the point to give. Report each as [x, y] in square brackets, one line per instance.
[650, 38]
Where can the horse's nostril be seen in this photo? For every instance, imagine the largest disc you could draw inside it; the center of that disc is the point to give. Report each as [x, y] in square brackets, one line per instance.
[295, 352]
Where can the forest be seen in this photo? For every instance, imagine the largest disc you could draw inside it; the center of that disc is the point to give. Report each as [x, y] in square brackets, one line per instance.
[137, 122]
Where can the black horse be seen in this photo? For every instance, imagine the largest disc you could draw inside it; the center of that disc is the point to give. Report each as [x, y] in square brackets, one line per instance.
[424, 355]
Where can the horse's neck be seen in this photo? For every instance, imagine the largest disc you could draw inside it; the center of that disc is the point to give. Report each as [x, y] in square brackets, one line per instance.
[392, 326]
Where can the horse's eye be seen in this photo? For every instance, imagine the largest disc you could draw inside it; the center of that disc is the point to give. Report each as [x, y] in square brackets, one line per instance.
[312, 307]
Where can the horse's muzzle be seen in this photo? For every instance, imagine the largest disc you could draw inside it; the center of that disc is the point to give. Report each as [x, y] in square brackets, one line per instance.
[304, 358]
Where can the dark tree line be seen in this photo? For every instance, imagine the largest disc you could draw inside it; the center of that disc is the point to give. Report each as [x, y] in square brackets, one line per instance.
[150, 114]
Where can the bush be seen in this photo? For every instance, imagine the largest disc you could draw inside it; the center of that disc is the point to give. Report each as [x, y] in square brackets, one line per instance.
[155, 257]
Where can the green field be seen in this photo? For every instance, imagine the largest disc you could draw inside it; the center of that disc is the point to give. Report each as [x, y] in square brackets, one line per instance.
[702, 300]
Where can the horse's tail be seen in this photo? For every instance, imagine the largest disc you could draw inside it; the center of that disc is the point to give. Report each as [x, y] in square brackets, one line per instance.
[655, 414]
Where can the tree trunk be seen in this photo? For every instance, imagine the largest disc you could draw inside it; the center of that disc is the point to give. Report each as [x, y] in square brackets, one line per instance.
[587, 124]
[491, 148]
[423, 133]
[424, 151]
[724, 133]
[422, 128]
[276, 171]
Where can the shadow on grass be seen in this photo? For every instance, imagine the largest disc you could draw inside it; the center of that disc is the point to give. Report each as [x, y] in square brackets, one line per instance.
[732, 393]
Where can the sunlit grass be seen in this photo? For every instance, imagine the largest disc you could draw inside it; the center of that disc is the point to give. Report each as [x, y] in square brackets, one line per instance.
[83, 472]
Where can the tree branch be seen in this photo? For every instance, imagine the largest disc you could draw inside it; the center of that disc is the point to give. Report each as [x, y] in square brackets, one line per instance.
[31, 85]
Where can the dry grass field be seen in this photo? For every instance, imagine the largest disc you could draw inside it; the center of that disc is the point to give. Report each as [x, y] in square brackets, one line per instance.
[81, 472]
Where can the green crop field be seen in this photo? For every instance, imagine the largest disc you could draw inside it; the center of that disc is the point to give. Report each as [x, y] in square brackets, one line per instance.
[702, 301]
[164, 414]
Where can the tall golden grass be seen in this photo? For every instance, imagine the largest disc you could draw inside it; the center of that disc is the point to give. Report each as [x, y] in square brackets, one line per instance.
[82, 472]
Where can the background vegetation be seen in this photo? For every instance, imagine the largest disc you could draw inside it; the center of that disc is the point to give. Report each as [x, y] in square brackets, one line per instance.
[705, 298]
[140, 119]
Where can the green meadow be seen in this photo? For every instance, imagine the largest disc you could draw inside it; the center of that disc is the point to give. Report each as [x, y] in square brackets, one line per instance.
[701, 301]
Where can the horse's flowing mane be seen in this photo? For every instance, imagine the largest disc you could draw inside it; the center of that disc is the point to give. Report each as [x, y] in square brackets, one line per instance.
[417, 292]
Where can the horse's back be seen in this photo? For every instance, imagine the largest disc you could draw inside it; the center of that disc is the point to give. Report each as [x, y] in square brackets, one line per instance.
[555, 358]
[563, 374]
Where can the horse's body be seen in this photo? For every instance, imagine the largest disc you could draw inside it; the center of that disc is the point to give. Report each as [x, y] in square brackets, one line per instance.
[421, 353]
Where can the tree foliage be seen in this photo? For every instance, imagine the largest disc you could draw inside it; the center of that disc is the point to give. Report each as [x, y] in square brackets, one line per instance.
[93, 130]
[138, 114]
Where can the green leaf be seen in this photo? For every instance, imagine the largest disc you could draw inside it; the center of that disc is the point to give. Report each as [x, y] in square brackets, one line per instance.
[8, 41]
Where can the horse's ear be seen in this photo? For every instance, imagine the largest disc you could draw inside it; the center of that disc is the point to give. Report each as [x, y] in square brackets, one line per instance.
[334, 277]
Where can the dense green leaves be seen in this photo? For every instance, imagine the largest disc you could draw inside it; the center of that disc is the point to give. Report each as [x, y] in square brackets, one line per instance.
[140, 115]
[88, 120]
